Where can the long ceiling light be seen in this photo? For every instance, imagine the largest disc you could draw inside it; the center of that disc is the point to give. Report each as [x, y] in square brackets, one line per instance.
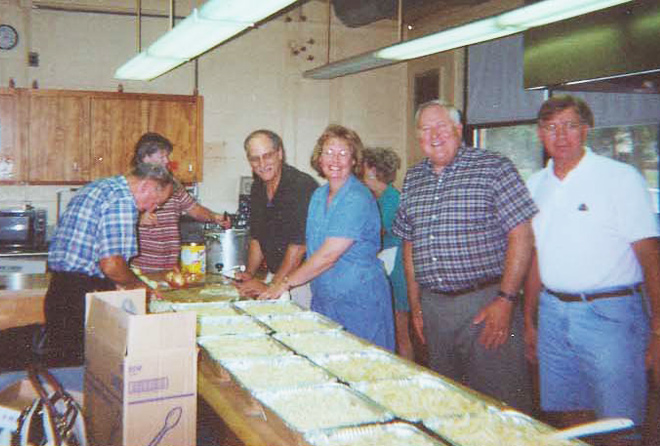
[215, 22]
[505, 24]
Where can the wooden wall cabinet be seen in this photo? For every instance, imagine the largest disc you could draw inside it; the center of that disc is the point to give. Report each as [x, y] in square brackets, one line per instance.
[13, 136]
[119, 119]
[73, 137]
[176, 120]
[59, 137]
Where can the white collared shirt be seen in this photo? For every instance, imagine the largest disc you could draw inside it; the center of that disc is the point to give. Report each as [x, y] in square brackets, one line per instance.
[588, 222]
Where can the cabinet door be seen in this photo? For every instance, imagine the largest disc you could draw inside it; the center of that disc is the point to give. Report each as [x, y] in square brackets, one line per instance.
[178, 120]
[13, 109]
[59, 137]
[116, 125]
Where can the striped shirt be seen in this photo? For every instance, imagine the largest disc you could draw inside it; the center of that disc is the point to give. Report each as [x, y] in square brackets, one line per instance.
[99, 222]
[160, 244]
[458, 221]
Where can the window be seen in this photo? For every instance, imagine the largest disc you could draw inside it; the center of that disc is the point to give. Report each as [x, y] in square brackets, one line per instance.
[635, 144]
[517, 141]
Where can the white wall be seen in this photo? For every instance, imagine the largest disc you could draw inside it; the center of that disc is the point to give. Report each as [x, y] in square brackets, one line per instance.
[251, 82]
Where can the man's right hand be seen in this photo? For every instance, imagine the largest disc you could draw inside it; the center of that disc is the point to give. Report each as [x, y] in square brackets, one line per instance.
[148, 219]
[530, 343]
[240, 276]
[418, 325]
[251, 288]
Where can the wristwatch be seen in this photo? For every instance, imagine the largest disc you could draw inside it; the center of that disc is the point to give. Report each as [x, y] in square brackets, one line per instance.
[510, 297]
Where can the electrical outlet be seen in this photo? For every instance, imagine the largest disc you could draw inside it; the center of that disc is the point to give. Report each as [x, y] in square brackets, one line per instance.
[33, 59]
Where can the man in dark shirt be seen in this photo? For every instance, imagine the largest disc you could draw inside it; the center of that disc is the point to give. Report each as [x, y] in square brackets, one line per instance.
[278, 214]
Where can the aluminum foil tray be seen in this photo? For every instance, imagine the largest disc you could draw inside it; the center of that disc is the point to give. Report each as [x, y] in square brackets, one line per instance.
[299, 322]
[391, 434]
[496, 428]
[323, 342]
[370, 365]
[220, 348]
[228, 325]
[160, 306]
[263, 307]
[322, 407]
[207, 308]
[422, 397]
[206, 293]
[277, 372]
[219, 290]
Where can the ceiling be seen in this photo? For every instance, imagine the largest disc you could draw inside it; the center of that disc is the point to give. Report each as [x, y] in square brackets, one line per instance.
[352, 13]
[355, 13]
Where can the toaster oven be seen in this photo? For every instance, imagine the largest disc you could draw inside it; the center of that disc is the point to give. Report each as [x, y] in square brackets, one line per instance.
[23, 229]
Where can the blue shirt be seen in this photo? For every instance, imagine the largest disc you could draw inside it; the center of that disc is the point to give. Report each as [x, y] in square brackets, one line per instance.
[352, 214]
[355, 291]
[388, 202]
[100, 221]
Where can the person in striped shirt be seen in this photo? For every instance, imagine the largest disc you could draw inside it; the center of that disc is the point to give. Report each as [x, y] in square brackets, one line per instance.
[158, 231]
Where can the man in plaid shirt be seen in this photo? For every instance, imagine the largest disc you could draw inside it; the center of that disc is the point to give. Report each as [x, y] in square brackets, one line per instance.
[465, 218]
[93, 242]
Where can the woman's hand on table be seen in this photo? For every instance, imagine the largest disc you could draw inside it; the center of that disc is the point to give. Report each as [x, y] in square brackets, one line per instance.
[274, 291]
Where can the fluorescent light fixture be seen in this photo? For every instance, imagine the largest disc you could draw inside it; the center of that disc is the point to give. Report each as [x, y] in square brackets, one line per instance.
[242, 10]
[145, 67]
[614, 76]
[550, 11]
[505, 24]
[215, 22]
[193, 36]
[469, 34]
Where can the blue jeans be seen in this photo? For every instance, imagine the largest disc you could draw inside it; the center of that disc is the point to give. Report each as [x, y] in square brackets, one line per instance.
[591, 355]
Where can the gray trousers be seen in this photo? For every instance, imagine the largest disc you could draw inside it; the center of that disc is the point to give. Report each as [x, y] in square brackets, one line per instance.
[454, 349]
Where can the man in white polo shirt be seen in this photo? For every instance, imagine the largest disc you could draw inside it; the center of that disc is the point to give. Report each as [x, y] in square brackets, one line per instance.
[596, 260]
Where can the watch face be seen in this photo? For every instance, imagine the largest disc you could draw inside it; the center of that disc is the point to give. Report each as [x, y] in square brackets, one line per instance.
[8, 37]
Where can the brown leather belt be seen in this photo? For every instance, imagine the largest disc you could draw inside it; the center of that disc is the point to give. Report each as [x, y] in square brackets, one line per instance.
[472, 288]
[581, 297]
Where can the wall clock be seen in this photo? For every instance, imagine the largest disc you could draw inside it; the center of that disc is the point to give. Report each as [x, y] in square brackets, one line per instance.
[8, 37]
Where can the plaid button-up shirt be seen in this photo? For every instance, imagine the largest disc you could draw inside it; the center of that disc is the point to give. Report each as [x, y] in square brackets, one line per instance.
[458, 221]
[100, 221]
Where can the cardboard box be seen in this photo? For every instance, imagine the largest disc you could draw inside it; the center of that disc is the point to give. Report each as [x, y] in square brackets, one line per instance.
[141, 373]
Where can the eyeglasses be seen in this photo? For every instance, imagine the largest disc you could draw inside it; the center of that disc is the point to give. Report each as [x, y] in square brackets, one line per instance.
[267, 157]
[569, 126]
[342, 153]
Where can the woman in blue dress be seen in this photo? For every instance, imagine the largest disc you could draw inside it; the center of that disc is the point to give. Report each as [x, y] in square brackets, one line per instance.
[349, 284]
[379, 167]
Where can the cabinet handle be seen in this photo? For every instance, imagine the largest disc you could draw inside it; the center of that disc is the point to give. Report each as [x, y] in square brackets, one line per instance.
[100, 158]
[75, 166]
[190, 167]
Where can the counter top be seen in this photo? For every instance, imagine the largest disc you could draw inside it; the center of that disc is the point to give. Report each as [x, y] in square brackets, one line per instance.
[22, 299]
[23, 282]
[24, 254]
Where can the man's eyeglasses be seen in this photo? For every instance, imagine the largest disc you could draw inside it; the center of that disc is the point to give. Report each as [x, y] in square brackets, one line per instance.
[267, 157]
[569, 126]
